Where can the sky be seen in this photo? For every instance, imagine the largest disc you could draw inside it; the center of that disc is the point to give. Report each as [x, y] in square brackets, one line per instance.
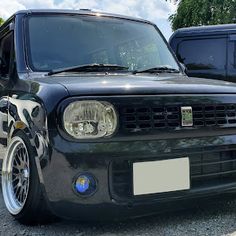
[156, 11]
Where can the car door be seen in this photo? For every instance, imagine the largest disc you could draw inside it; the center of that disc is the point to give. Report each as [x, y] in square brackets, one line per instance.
[231, 67]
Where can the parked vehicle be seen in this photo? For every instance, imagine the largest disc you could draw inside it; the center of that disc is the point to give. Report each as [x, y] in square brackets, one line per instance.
[101, 122]
[207, 51]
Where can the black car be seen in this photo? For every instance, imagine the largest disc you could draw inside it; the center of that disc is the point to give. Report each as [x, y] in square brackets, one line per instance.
[207, 51]
[100, 121]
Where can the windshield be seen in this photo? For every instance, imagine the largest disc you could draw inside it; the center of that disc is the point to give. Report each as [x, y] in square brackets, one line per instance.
[60, 41]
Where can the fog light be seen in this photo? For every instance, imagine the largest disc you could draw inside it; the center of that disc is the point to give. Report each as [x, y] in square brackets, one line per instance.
[85, 184]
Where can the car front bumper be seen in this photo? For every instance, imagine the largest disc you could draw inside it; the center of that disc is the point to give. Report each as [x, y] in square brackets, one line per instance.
[109, 161]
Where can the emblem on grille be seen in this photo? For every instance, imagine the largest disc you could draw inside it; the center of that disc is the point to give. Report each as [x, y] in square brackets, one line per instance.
[187, 116]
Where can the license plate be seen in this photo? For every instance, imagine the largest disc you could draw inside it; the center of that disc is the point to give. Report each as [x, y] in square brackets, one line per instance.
[161, 176]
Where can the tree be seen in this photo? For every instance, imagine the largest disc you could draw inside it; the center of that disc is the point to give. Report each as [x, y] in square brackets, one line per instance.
[203, 12]
[1, 21]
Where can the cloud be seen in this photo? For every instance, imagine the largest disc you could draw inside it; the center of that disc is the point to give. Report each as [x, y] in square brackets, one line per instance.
[7, 8]
[153, 10]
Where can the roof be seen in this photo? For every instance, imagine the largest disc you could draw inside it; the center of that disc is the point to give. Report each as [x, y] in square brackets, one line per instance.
[211, 29]
[79, 12]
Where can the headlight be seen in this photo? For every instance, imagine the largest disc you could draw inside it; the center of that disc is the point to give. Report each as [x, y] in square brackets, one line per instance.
[90, 119]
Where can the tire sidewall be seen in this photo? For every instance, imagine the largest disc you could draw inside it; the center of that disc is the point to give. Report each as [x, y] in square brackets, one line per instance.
[32, 202]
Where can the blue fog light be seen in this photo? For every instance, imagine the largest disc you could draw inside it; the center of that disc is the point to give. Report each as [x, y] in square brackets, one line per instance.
[85, 184]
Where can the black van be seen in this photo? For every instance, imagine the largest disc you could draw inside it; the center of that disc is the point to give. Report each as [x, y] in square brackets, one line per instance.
[207, 51]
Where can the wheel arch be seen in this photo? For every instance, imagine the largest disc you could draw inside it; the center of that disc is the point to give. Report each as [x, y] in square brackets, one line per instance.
[28, 115]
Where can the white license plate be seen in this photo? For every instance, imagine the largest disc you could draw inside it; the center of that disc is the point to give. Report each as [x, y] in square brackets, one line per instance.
[161, 176]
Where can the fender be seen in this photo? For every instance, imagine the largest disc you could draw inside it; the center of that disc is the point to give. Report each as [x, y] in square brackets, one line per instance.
[26, 113]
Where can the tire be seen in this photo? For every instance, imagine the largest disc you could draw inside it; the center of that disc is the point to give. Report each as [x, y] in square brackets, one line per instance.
[21, 189]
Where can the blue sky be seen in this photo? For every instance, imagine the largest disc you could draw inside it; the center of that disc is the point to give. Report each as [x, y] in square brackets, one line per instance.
[157, 11]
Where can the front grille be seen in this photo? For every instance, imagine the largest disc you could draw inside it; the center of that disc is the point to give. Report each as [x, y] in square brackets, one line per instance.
[147, 118]
[214, 115]
[206, 169]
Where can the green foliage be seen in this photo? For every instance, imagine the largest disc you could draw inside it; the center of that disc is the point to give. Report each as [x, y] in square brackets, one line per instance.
[203, 12]
[1, 21]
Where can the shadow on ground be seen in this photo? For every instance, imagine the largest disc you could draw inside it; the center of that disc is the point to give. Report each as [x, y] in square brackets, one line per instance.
[218, 218]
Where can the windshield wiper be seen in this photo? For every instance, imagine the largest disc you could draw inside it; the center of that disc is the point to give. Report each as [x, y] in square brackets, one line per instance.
[88, 68]
[158, 69]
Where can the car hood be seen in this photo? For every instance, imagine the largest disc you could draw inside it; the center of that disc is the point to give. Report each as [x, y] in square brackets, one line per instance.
[91, 84]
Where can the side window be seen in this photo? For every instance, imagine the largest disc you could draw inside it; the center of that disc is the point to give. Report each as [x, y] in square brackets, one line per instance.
[231, 72]
[203, 54]
[6, 50]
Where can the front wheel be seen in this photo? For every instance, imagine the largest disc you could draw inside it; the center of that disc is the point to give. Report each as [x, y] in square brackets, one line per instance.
[20, 182]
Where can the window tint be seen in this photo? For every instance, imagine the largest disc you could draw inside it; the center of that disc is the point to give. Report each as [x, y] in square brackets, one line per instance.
[203, 54]
[5, 54]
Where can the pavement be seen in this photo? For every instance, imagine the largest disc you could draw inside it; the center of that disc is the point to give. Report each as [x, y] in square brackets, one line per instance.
[217, 218]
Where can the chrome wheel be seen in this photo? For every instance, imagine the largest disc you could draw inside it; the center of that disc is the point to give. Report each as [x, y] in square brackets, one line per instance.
[15, 176]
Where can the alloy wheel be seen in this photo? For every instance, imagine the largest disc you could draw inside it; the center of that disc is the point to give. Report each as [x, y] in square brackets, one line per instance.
[15, 176]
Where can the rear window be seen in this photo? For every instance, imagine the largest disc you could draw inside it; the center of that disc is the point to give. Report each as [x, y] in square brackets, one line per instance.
[203, 54]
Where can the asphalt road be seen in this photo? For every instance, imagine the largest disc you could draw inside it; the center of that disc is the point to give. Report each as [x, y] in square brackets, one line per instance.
[217, 219]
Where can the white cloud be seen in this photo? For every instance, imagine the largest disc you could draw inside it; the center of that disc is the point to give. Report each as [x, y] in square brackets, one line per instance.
[7, 8]
[154, 10]
[37, 3]
[151, 9]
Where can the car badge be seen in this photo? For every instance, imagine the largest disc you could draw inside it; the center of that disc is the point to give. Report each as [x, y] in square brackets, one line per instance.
[187, 116]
